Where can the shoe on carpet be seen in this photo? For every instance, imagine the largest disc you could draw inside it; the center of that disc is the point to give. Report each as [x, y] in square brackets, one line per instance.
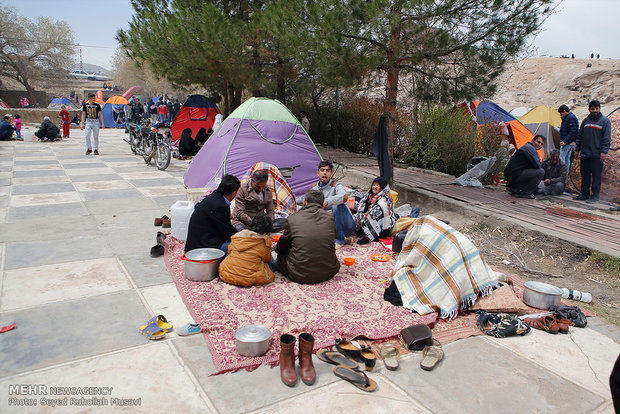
[580, 197]
[363, 240]
[189, 329]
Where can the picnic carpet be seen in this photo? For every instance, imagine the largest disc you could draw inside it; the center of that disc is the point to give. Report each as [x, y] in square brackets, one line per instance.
[348, 306]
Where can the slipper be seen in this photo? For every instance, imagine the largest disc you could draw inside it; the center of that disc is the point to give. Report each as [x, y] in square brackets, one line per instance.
[357, 378]
[8, 328]
[368, 356]
[162, 322]
[157, 250]
[152, 331]
[350, 349]
[389, 353]
[431, 355]
[336, 358]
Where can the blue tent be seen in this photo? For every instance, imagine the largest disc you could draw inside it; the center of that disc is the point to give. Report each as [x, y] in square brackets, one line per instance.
[115, 115]
[58, 102]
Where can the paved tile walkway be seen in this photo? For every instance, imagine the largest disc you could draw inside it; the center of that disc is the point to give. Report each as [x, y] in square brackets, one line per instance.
[75, 235]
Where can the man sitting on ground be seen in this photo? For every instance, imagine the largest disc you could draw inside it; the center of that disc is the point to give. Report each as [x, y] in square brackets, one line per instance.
[253, 198]
[48, 130]
[6, 128]
[554, 180]
[210, 224]
[335, 198]
[523, 172]
[305, 251]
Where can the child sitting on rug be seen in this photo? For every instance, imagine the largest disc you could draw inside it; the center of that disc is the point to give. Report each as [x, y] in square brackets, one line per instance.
[249, 254]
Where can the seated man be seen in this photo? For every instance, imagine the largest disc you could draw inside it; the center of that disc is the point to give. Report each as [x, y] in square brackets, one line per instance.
[335, 198]
[305, 251]
[253, 198]
[48, 130]
[554, 179]
[210, 225]
[6, 128]
[523, 172]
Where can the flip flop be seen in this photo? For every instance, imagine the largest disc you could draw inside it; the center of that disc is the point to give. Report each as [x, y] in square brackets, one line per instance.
[162, 322]
[357, 378]
[336, 358]
[431, 355]
[152, 331]
[8, 328]
[350, 349]
[389, 353]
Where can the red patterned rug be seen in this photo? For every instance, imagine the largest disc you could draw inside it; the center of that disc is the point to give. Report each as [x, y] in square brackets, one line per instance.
[348, 306]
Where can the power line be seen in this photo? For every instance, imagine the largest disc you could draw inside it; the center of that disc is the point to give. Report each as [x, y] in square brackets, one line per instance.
[55, 43]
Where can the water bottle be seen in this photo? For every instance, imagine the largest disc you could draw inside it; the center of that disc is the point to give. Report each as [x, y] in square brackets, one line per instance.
[576, 295]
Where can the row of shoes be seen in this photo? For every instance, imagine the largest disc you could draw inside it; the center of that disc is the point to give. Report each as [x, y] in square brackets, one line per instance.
[158, 326]
[559, 320]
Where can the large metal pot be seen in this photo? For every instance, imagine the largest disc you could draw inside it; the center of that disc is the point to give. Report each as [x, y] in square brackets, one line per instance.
[252, 340]
[201, 265]
[541, 295]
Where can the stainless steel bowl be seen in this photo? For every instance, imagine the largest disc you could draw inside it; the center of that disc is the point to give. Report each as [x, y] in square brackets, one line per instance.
[201, 265]
[541, 295]
[252, 340]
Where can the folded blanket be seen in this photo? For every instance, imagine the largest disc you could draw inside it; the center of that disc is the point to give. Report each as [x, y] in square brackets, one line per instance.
[439, 269]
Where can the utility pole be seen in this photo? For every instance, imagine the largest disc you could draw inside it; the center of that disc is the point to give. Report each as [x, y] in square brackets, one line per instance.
[81, 66]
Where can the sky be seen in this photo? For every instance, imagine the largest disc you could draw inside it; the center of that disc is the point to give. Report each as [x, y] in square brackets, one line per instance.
[578, 26]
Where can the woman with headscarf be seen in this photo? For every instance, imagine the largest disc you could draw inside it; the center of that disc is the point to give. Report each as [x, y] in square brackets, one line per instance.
[375, 214]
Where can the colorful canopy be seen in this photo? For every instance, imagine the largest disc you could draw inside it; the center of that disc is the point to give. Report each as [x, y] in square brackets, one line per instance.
[543, 120]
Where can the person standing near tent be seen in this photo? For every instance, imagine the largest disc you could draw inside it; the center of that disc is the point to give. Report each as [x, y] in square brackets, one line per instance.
[335, 198]
[137, 110]
[162, 111]
[91, 114]
[568, 133]
[592, 145]
[254, 198]
[523, 172]
[210, 224]
[176, 107]
[64, 120]
[305, 122]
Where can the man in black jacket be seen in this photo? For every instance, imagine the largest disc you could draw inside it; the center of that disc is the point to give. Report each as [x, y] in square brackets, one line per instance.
[137, 110]
[48, 130]
[523, 172]
[210, 224]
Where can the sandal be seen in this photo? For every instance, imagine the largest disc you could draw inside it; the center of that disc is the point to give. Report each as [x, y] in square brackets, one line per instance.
[431, 355]
[368, 356]
[350, 349]
[162, 322]
[357, 378]
[389, 353]
[544, 323]
[336, 358]
[152, 331]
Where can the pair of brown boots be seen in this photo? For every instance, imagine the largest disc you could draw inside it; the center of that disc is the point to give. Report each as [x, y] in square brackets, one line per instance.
[288, 374]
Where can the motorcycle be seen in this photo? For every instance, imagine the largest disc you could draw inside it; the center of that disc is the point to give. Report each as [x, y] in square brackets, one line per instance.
[151, 141]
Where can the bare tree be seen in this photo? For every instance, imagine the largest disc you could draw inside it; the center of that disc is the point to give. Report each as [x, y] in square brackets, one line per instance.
[34, 51]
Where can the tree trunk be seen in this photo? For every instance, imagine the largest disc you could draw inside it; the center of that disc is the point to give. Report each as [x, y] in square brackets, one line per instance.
[236, 98]
[280, 82]
[228, 97]
[393, 72]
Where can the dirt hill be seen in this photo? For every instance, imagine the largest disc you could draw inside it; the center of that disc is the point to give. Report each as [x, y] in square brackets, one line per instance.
[555, 81]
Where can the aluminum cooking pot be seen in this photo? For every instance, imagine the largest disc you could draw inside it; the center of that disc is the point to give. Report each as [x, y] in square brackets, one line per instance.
[201, 265]
[541, 295]
[252, 340]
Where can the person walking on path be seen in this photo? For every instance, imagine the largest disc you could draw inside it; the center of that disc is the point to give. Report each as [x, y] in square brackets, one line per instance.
[91, 114]
[64, 119]
[592, 145]
[568, 133]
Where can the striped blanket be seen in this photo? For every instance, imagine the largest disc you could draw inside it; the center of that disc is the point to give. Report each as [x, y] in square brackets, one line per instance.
[283, 197]
[439, 269]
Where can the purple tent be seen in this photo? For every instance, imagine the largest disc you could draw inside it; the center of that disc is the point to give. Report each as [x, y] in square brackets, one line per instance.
[260, 129]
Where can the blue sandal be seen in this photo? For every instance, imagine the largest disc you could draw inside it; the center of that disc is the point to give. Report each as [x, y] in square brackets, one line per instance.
[152, 331]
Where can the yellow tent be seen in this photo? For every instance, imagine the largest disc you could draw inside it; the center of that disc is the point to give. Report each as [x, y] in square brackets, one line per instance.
[543, 120]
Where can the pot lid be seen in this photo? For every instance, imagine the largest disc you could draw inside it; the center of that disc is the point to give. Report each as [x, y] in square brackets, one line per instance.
[252, 333]
[204, 254]
[541, 287]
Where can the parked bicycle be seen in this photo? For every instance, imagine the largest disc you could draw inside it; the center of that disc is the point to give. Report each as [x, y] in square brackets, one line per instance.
[151, 141]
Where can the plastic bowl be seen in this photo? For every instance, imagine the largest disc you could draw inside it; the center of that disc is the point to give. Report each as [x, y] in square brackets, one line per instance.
[275, 238]
[349, 261]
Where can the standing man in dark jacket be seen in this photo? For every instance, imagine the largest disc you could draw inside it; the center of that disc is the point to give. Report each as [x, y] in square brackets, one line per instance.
[306, 251]
[523, 172]
[210, 224]
[592, 146]
[568, 133]
[137, 110]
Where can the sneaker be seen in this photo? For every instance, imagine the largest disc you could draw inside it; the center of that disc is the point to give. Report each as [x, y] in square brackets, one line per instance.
[96, 152]
[188, 329]
[580, 197]
[88, 152]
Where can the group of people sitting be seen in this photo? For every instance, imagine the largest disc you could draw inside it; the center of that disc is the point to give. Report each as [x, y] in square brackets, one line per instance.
[306, 250]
